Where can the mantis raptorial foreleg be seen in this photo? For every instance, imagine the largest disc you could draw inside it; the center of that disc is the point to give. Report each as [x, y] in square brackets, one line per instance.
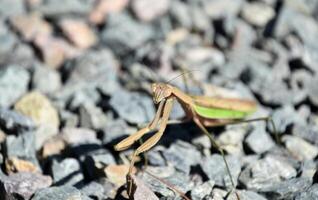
[127, 142]
[152, 140]
[156, 137]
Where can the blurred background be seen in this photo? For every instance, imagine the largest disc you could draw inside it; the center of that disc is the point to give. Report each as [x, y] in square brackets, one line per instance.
[75, 79]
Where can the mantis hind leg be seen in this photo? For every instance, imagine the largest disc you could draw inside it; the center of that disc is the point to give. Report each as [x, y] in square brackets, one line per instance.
[266, 119]
[217, 146]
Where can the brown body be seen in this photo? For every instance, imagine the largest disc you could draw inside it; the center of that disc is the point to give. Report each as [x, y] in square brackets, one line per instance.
[164, 95]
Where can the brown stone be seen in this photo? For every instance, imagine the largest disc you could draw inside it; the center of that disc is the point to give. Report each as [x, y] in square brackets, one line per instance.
[116, 174]
[78, 32]
[53, 146]
[177, 35]
[14, 165]
[141, 190]
[55, 50]
[52, 53]
[104, 7]
[31, 26]
[148, 10]
[2, 136]
[39, 108]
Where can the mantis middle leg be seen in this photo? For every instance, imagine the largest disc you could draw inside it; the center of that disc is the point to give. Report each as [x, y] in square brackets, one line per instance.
[217, 146]
[155, 138]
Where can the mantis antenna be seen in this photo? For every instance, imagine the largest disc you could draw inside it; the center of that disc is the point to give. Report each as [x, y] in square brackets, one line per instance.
[183, 73]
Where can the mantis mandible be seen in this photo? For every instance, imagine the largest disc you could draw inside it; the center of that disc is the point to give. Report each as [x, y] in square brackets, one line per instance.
[204, 111]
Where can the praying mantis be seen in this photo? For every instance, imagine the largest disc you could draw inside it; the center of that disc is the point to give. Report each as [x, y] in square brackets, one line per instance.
[204, 111]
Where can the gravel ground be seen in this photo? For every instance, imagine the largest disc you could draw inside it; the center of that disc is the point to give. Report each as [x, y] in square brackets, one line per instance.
[75, 79]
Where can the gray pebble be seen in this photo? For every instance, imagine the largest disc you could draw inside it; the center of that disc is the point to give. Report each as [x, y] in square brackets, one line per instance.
[68, 118]
[313, 91]
[217, 9]
[46, 80]
[123, 33]
[309, 194]
[231, 140]
[13, 84]
[265, 172]
[179, 11]
[201, 22]
[214, 167]
[149, 10]
[202, 191]
[23, 185]
[271, 89]
[155, 157]
[14, 122]
[299, 148]
[176, 179]
[21, 146]
[304, 26]
[132, 106]
[67, 172]
[115, 130]
[287, 189]
[177, 111]
[236, 65]
[141, 190]
[94, 190]
[52, 8]
[22, 55]
[202, 141]
[219, 194]
[284, 117]
[248, 195]
[92, 116]
[245, 39]
[249, 160]
[8, 40]
[77, 136]
[96, 160]
[175, 155]
[101, 157]
[257, 13]
[308, 169]
[11, 8]
[299, 81]
[60, 193]
[259, 141]
[84, 96]
[308, 132]
[93, 68]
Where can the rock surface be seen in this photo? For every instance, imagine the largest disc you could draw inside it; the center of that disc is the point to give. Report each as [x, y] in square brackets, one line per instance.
[23, 185]
[13, 83]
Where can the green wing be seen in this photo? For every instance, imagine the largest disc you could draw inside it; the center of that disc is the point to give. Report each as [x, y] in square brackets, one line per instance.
[218, 113]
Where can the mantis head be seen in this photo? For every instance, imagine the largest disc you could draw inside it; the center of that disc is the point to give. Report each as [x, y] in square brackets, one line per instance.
[160, 91]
